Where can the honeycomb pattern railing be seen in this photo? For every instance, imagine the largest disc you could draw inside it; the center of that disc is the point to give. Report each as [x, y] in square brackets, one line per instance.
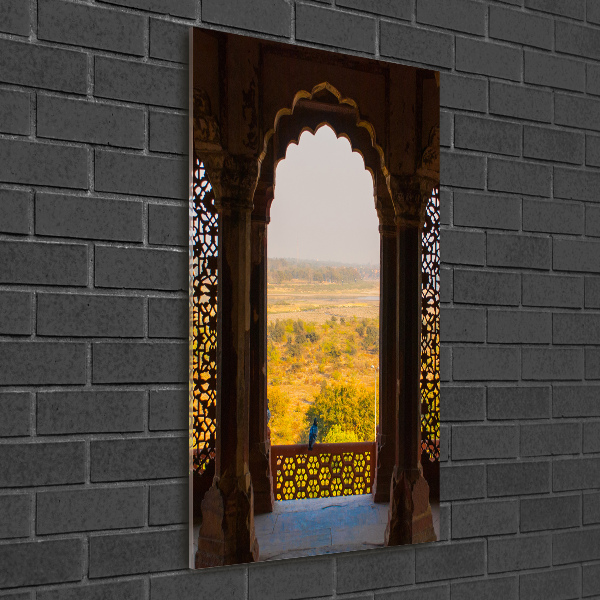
[325, 471]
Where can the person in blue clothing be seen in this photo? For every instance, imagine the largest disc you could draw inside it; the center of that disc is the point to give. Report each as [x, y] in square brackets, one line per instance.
[312, 435]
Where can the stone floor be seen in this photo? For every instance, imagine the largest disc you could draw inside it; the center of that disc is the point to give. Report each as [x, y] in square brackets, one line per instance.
[323, 526]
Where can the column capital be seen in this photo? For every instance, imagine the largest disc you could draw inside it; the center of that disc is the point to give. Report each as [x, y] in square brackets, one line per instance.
[410, 196]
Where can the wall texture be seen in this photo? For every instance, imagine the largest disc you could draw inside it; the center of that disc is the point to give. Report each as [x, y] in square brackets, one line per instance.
[93, 298]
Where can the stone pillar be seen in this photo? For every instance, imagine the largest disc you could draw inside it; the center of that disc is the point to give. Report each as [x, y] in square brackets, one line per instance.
[260, 437]
[388, 291]
[227, 530]
[409, 517]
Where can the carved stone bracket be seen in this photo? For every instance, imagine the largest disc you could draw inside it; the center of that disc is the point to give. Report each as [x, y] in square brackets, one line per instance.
[410, 195]
[207, 134]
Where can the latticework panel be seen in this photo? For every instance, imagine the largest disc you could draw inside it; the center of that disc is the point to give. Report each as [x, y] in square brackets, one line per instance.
[430, 335]
[325, 471]
[204, 249]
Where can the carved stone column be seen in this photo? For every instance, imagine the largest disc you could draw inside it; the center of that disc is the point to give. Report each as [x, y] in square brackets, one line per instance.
[260, 437]
[409, 518]
[227, 531]
[386, 440]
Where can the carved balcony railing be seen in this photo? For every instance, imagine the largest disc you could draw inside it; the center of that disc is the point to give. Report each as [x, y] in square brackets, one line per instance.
[325, 471]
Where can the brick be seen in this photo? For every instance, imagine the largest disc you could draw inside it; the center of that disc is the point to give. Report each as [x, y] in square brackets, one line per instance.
[577, 111]
[576, 546]
[553, 144]
[15, 211]
[506, 588]
[591, 437]
[519, 327]
[462, 482]
[462, 170]
[575, 474]
[518, 553]
[168, 225]
[14, 17]
[157, 362]
[470, 442]
[168, 132]
[592, 363]
[462, 92]
[14, 111]
[122, 590]
[168, 318]
[211, 581]
[552, 363]
[169, 41]
[462, 247]
[90, 315]
[64, 462]
[592, 150]
[418, 45]
[485, 363]
[544, 69]
[358, 572]
[591, 507]
[41, 562]
[592, 221]
[42, 363]
[267, 16]
[487, 135]
[520, 177]
[561, 584]
[578, 328]
[488, 58]
[287, 580]
[574, 255]
[576, 401]
[89, 412]
[437, 592]
[137, 268]
[88, 218]
[574, 9]
[182, 8]
[487, 287]
[592, 82]
[552, 217]
[521, 27]
[591, 579]
[463, 404]
[459, 15]
[578, 40]
[552, 290]
[486, 210]
[399, 9]
[557, 512]
[576, 185]
[169, 504]
[140, 82]
[518, 478]
[169, 410]
[446, 283]
[37, 163]
[141, 175]
[14, 516]
[90, 26]
[90, 122]
[89, 510]
[518, 251]
[435, 562]
[122, 460]
[43, 263]
[592, 12]
[462, 325]
[446, 125]
[477, 519]
[43, 67]
[550, 439]
[592, 292]
[15, 408]
[15, 313]
[131, 553]
[520, 102]
[520, 403]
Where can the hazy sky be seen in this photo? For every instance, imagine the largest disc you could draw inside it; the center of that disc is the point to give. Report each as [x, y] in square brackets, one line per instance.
[323, 206]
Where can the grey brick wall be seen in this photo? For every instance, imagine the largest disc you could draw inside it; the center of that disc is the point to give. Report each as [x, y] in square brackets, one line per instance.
[93, 297]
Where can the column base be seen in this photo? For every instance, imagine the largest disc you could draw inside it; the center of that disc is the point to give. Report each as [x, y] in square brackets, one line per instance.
[262, 479]
[227, 531]
[409, 518]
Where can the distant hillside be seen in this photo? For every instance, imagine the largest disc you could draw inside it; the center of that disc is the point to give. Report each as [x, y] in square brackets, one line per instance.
[281, 270]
